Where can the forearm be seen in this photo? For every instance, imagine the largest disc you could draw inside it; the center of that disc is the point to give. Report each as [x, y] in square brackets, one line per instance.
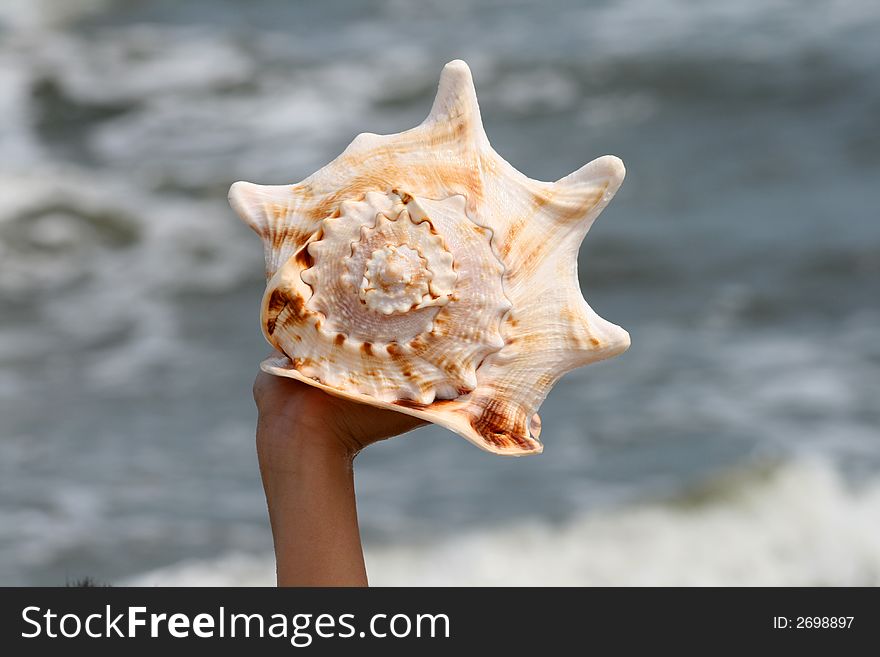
[309, 485]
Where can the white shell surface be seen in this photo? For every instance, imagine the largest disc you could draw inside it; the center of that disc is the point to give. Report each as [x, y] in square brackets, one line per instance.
[421, 272]
[406, 300]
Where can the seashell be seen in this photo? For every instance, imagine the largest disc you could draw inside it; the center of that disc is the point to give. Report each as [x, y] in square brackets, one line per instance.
[421, 272]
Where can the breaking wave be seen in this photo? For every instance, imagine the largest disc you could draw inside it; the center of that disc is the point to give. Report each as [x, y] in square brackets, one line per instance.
[792, 525]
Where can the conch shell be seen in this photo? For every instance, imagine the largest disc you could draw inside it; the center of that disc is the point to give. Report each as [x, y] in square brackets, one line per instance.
[420, 272]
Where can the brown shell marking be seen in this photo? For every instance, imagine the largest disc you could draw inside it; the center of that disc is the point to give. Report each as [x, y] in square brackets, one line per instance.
[500, 423]
[283, 300]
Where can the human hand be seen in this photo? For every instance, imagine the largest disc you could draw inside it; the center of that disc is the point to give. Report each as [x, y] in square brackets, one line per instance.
[292, 408]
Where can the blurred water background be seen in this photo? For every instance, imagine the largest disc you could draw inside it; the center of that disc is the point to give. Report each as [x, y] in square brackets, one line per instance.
[735, 443]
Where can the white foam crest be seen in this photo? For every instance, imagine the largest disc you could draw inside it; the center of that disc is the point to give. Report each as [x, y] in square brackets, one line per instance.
[99, 257]
[756, 30]
[795, 525]
[42, 14]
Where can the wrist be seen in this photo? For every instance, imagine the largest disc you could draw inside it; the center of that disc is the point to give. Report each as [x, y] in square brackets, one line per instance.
[283, 440]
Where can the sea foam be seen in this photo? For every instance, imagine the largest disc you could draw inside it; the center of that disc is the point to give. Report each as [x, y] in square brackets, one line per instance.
[793, 525]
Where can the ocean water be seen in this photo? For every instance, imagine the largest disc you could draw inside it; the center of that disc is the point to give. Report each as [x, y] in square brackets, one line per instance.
[737, 441]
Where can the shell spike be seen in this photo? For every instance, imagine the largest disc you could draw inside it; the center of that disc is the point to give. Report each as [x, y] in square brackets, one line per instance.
[597, 338]
[606, 168]
[456, 101]
[268, 210]
[582, 195]
[613, 342]
[260, 206]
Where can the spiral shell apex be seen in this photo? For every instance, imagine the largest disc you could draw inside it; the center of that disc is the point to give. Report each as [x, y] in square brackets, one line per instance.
[421, 272]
